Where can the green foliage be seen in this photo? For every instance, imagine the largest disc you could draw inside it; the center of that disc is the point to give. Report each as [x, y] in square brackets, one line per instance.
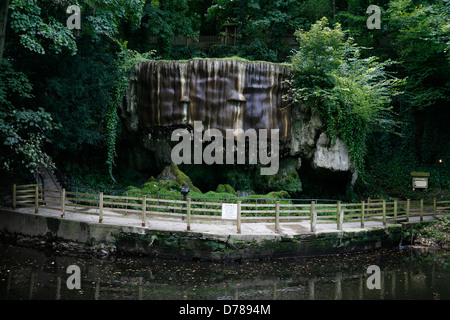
[34, 31]
[165, 19]
[226, 188]
[258, 50]
[23, 134]
[417, 39]
[125, 64]
[182, 178]
[161, 187]
[351, 93]
[240, 180]
[105, 17]
[421, 39]
[13, 85]
[77, 95]
[279, 194]
[288, 181]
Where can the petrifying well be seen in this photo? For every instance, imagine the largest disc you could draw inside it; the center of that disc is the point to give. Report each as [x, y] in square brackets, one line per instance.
[230, 94]
[223, 94]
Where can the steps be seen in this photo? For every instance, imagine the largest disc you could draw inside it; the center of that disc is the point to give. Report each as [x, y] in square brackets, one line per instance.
[49, 182]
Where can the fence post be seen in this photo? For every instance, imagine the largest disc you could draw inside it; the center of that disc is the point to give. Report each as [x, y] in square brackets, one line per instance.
[407, 209]
[289, 213]
[362, 214]
[238, 223]
[188, 218]
[384, 212]
[421, 210]
[277, 216]
[36, 199]
[63, 203]
[14, 196]
[313, 217]
[340, 217]
[434, 208]
[100, 207]
[395, 211]
[144, 208]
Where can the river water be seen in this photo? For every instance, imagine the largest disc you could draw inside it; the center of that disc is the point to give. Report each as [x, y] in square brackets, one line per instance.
[406, 273]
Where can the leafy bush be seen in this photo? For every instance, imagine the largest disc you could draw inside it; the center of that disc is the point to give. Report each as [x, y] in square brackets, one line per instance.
[352, 94]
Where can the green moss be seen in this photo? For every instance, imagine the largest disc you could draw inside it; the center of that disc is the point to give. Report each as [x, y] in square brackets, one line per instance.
[279, 194]
[215, 246]
[171, 241]
[182, 178]
[226, 188]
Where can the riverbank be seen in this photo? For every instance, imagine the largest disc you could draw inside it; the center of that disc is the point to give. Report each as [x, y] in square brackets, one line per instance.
[82, 234]
[434, 234]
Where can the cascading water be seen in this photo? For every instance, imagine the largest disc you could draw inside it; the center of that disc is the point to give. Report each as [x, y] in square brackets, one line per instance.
[223, 94]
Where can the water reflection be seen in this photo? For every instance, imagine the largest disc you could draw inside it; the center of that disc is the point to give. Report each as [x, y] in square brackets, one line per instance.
[405, 274]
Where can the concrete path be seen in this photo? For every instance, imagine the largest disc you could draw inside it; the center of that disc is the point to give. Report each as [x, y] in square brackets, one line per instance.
[219, 227]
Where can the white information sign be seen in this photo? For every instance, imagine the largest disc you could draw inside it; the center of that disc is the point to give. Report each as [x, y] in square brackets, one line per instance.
[229, 211]
[420, 183]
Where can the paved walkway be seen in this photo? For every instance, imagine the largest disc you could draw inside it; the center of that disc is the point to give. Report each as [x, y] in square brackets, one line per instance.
[220, 227]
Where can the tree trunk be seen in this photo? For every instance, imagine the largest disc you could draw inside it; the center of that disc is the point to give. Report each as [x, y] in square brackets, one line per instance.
[3, 18]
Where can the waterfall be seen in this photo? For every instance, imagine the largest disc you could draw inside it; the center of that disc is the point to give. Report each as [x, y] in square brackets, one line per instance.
[222, 93]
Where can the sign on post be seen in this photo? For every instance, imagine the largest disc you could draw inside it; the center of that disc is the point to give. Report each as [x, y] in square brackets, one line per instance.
[229, 211]
[420, 180]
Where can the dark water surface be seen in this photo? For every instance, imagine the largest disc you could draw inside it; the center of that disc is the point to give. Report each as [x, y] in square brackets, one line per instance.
[27, 273]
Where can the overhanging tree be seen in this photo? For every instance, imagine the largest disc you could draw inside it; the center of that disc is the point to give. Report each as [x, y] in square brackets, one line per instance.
[352, 94]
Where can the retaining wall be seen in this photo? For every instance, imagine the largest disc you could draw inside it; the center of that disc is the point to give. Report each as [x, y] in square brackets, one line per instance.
[86, 237]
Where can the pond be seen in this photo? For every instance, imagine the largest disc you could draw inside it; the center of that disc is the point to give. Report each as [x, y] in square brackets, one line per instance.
[406, 273]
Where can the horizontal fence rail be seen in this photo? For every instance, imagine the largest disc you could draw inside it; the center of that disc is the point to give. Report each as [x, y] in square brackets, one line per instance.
[209, 210]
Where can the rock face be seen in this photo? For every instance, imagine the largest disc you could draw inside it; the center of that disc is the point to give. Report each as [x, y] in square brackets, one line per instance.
[312, 145]
[223, 94]
[231, 94]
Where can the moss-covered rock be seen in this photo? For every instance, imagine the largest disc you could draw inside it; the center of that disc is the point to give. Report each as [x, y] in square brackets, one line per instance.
[173, 173]
[226, 188]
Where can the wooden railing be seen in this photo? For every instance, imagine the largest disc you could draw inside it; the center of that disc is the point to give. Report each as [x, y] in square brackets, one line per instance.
[275, 212]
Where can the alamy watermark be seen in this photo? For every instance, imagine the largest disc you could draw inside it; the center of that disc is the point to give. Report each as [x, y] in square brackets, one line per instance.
[374, 280]
[74, 280]
[374, 21]
[74, 21]
[213, 153]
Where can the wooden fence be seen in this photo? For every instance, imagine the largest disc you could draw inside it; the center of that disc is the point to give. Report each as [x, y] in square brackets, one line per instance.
[275, 212]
